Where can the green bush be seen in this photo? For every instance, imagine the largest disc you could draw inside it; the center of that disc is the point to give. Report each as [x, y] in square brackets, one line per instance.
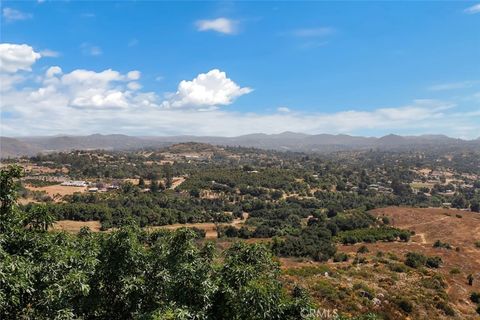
[433, 262]
[415, 260]
[475, 297]
[340, 257]
[440, 244]
[371, 235]
[455, 271]
[397, 267]
[405, 305]
[363, 249]
[445, 307]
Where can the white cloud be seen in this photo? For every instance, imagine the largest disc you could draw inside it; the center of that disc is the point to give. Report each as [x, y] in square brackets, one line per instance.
[134, 86]
[49, 53]
[222, 25]
[11, 15]
[313, 32]
[52, 71]
[105, 89]
[90, 50]
[473, 9]
[283, 109]
[15, 57]
[207, 90]
[108, 101]
[133, 75]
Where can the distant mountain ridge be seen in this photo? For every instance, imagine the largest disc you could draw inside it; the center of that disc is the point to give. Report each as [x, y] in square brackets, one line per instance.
[288, 141]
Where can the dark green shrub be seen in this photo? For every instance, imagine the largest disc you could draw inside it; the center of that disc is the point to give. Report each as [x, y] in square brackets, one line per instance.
[445, 307]
[475, 297]
[415, 259]
[440, 244]
[363, 249]
[405, 305]
[340, 257]
[455, 271]
[433, 262]
[397, 267]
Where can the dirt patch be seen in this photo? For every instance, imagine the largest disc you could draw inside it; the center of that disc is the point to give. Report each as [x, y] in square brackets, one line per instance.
[210, 228]
[57, 191]
[75, 226]
[177, 181]
[458, 228]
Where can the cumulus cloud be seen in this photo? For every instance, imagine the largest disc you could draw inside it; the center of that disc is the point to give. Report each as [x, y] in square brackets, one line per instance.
[51, 114]
[473, 9]
[15, 57]
[11, 15]
[109, 101]
[207, 90]
[222, 25]
[90, 89]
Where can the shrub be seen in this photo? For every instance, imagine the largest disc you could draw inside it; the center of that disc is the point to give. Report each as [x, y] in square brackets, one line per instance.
[199, 233]
[363, 249]
[435, 282]
[440, 244]
[359, 260]
[364, 290]
[326, 290]
[475, 297]
[455, 271]
[433, 262]
[340, 257]
[370, 235]
[445, 307]
[415, 259]
[405, 305]
[397, 267]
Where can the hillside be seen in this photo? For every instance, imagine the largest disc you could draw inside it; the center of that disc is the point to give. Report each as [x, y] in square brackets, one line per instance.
[11, 148]
[286, 141]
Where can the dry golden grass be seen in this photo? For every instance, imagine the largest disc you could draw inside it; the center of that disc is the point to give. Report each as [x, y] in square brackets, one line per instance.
[57, 189]
[75, 226]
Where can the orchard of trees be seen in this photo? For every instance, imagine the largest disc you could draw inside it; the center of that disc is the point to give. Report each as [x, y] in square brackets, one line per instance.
[131, 274]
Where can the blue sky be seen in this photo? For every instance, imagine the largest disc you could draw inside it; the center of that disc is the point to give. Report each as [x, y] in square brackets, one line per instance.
[363, 68]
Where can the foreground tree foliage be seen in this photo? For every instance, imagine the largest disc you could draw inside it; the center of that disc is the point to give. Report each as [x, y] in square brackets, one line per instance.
[131, 274]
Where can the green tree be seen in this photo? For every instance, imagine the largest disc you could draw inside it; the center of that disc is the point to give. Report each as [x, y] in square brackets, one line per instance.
[10, 217]
[40, 217]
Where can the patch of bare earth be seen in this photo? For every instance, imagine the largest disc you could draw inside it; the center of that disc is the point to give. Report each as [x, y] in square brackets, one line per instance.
[57, 191]
[75, 226]
[461, 229]
[210, 228]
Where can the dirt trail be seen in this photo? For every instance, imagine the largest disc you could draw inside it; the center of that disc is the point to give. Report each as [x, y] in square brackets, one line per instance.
[177, 181]
[422, 238]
